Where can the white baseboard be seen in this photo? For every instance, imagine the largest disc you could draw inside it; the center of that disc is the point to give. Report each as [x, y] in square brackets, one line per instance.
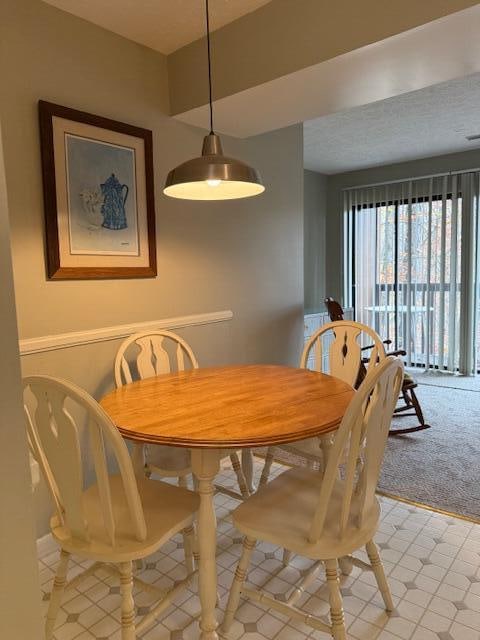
[89, 336]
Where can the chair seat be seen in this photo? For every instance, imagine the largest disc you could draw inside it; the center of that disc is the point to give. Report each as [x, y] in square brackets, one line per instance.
[167, 508]
[281, 513]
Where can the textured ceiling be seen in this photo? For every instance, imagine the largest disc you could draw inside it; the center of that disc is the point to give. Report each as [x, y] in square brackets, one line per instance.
[431, 121]
[163, 25]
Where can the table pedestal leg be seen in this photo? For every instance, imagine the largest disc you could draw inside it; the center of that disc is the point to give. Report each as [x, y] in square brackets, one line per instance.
[247, 468]
[205, 466]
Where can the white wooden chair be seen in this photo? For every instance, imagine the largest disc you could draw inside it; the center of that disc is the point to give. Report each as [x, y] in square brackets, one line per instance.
[116, 520]
[335, 348]
[144, 355]
[326, 517]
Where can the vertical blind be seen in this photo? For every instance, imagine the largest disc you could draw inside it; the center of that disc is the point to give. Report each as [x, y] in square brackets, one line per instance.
[412, 268]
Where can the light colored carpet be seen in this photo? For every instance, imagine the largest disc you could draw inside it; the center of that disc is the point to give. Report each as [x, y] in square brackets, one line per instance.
[439, 467]
[441, 379]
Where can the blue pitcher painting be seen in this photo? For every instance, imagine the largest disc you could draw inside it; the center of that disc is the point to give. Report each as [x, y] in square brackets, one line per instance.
[113, 208]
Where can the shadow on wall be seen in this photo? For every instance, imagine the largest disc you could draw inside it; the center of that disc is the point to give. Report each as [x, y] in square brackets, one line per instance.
[280, 346]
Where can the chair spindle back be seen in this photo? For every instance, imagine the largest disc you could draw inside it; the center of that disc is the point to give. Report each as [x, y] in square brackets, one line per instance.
[359, 445]
[152, 358]
[53, 435]
[340, 342]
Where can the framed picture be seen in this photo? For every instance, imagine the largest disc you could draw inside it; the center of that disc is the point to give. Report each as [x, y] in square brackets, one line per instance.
[98, 196]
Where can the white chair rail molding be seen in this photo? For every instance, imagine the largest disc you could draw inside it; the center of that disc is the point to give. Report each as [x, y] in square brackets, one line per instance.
[88, 336]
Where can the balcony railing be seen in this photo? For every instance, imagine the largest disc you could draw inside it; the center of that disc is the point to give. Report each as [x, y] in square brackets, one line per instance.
[413, 317]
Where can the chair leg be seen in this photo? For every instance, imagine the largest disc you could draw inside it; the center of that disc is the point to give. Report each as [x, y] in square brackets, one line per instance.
[379, 573]
[188, 545]
[196, 554]
[128, 606]
[138, 459]
[242, 484]
[346, 565]
[412, 402]
[266, 467]
[406, 398]
[336, 605]
[287, 556]
[417, 407]
[237, 584]
[247, 467]
[56, 594]
[326, 445]
[187, 534]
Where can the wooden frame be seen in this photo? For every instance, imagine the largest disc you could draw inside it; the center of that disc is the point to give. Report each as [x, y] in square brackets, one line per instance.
[94, 233]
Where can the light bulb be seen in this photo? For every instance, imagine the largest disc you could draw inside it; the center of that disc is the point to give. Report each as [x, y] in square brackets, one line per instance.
[213, 183]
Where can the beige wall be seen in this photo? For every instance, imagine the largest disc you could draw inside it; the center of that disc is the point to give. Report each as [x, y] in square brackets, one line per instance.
[245, 255]
[315, 212]
[284, 36]
[19, 586]
[398, 171]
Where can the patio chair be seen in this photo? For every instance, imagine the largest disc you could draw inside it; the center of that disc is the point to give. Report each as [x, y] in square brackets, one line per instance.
[410, 404]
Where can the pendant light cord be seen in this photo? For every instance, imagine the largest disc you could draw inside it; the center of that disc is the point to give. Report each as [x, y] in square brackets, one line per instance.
[209, 67]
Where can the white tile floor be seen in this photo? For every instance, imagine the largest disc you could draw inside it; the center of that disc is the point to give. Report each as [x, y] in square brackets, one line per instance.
[432, 561]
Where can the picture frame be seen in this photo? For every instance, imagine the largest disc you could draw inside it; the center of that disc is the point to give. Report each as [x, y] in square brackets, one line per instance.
[98, 193]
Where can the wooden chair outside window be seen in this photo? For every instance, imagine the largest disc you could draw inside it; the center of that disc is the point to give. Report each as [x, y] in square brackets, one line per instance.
[326, 516]
[116, 520]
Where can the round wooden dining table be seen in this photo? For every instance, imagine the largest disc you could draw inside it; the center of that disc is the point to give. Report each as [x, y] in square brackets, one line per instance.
[235, 407]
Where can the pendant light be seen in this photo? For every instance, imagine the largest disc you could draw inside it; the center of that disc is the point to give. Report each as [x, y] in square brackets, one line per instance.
[212, 176]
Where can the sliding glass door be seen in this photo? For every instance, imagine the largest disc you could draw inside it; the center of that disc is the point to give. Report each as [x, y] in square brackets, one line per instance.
[405, 273]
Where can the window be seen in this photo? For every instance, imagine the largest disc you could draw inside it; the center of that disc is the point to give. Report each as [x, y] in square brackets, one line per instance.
[403, 268]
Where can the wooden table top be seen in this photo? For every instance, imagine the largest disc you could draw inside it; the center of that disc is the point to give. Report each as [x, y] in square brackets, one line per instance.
[229, 407]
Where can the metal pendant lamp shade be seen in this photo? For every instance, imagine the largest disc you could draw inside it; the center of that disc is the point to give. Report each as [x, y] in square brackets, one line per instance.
[212, 176]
